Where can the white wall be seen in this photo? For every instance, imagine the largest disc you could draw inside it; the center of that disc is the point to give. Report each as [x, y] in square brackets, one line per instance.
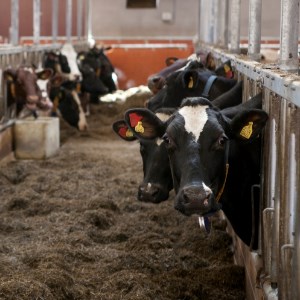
[111, 19]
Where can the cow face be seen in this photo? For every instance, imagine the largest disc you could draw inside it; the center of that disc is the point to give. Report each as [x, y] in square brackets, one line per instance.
[66, 104]
[200, 141]
[157, 181]
[28, 88]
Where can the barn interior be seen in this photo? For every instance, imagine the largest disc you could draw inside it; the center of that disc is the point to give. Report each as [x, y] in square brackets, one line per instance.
[73, 225]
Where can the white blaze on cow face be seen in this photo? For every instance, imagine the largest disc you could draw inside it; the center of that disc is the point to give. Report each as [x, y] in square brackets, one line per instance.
[163, 117]
[195, 118]
[82, 125]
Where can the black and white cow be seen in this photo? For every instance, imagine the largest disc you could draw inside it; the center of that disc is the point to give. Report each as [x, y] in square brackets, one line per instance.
[214, 160]
[157, 181]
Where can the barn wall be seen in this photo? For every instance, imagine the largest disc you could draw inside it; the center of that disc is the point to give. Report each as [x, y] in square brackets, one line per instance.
[111, 19]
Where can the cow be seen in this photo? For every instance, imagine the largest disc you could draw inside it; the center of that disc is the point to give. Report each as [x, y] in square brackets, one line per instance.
[66, 102]
[192, 81]
[214, 160]
[157, 180]
[98, 60]
[26, 88]
[56, 61]
[156, 81]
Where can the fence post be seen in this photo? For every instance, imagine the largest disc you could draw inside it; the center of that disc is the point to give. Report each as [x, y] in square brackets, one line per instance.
[289, 35]
[79, 19]
[235, 17]
[54, 20]
[69, 21]
[36, 21]
[14, 29]
[254, 37]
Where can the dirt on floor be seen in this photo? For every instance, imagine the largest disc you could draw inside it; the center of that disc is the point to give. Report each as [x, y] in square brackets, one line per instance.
[72, 228]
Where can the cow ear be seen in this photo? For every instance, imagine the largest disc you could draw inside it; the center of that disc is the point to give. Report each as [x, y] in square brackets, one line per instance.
[247, 125]
[123, 131]
[10, 74]
[144, 123]
[225, 70]
[57, 80]
[170, 60]
[44, 74]
[210, 62]
[190, 79]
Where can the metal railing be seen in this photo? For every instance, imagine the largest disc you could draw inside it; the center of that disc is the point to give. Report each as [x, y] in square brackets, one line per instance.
[279, 241]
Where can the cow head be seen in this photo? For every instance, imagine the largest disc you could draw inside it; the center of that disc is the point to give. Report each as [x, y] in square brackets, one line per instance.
[201, 141]
[66, 103]
[157, 181]
[26, 88]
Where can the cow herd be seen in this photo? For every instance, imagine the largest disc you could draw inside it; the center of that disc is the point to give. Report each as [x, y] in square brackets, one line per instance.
[197, 137]
[63, 86]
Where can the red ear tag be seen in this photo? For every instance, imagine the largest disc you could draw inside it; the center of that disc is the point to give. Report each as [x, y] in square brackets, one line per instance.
[134, 119]
[125, 132]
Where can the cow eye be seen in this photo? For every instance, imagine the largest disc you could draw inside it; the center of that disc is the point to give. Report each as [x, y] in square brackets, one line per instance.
[166, 139]
[222, 141]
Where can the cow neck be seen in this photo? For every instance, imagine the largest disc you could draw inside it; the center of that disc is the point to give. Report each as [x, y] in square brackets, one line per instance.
[226, 172]
[208, 85]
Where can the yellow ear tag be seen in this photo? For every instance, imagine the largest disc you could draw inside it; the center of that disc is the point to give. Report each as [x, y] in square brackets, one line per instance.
[139, 127]
[226, 68]
[246, 131]
[129, 133]
[191, 83]
[13, 89]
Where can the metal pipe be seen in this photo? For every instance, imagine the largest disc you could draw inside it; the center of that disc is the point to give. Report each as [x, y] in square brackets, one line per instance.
[289, 35]
[54, 20]
[222, 35]
[36, 21]
[235, 17]
[79, 19]
[69, 21]
[254, 35]
[89, 21]
[14, 29]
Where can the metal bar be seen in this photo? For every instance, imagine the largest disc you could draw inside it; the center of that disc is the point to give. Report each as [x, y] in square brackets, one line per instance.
[69, 21]
[89, 33]
[14, 30]
[235, 17]
[54, 20]
[223, 23]
[36, 21]
[79, 19]
[255, 7]
[289, 35]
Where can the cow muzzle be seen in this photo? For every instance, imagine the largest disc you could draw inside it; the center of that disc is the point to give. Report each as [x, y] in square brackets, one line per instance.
[152, 192]
[195, 200]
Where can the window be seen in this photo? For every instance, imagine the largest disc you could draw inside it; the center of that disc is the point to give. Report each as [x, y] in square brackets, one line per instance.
[141, 3]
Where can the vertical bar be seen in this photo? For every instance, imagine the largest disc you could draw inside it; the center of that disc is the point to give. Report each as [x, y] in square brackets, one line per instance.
[289, 35]
[14, 29]
[215, 20]
[255, 7]
[235, 16]
[223, 23]
[54, 20]
[295, 286]
[89, 21]
[69, 21]
[36, 21]
[79, 19]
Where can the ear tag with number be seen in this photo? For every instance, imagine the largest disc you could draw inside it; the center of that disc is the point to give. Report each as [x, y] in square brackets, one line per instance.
[139, 127]
[247, 130]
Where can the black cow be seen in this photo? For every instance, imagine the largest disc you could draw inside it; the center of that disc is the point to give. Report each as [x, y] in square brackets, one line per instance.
[157, 181]
[214, 160]
[98, 60]
[193, 81]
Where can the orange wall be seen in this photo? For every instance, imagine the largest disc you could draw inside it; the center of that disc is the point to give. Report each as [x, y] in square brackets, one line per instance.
[133, 66]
